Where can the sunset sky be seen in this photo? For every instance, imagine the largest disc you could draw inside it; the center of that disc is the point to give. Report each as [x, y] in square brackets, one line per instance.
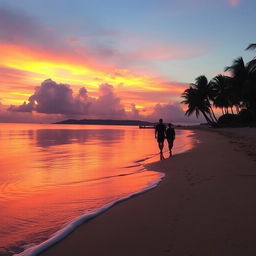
[115, 59]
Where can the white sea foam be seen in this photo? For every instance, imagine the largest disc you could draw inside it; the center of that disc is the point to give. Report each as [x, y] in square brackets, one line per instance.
[71, 226]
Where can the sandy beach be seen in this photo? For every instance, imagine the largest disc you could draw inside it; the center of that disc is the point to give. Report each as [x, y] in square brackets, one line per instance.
[204, 206]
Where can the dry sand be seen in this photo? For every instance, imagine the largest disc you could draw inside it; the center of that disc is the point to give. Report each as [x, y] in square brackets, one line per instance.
[205, 206]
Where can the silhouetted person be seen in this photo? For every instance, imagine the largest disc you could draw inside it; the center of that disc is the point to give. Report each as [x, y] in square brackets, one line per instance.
[170, 136]
[160, 131]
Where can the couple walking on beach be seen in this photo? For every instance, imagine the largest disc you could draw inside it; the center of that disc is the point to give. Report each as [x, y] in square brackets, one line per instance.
[161, 133]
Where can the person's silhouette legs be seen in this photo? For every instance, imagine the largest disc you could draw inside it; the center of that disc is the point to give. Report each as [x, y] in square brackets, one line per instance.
[161, 146]
[161, 156]
[170, 145]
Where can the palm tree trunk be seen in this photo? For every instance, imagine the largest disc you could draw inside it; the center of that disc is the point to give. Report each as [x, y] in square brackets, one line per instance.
[211, 118]
[215, 119]
[207, 118]
[212, 113]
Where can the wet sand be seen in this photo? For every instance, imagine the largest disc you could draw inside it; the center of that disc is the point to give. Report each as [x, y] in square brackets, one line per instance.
[204, 206]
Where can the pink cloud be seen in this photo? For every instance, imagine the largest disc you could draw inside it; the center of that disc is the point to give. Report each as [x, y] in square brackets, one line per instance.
[169, 112]
[159, 52]
[52, 102]
[168, 91]
[93, 49]
[12, 76]
[53, 98]
[234, 2]
[108, 104]
[134, 49]
[7, 116]
[21, 29]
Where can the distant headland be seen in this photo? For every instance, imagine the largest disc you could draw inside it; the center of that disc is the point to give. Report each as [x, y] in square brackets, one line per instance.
[106, 122]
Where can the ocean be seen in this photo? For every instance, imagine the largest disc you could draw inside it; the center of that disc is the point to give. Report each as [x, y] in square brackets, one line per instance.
[54, 177]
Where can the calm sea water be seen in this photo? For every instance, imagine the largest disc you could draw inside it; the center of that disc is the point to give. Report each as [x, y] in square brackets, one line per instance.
[53, 174]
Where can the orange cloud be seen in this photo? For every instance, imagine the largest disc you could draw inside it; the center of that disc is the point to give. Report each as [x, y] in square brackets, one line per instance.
[31, 53]
[60, 102]
[24, 68]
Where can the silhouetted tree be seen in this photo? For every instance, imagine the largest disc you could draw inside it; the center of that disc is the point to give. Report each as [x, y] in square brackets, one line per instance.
[225, 92]
[205, 90]
[238, 72]
[221, 92]
[196, 103]
[244, 82]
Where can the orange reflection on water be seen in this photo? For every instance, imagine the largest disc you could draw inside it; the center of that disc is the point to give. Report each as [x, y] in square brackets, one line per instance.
[51, 174]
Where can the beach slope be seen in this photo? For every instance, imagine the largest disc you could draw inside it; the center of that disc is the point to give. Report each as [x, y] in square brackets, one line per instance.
[204, 206]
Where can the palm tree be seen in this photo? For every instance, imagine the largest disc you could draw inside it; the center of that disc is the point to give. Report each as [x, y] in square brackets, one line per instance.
[244, 82]
[224, 92]
[249, 89]
[238, 69]
[239, 73]
[206, 93]
[196, 103]
[221, 92]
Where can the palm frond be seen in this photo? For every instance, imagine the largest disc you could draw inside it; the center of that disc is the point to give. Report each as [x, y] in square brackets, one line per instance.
[252, 67]
[238, 68]
[227, 68]
[251, 47]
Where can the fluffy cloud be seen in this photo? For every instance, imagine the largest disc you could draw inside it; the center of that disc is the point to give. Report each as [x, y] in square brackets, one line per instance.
[168, 112]
[53, 98]
[108, 104]
[171, 112]
[58, 101]
[7, 116]
[135, 113]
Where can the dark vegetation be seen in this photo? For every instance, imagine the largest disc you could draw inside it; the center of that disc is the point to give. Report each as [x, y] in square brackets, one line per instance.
[234, 95]
[106, 122]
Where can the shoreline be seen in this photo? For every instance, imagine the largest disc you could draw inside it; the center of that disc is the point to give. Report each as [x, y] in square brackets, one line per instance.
[80, 220]
[203, 206]
[69, 227]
